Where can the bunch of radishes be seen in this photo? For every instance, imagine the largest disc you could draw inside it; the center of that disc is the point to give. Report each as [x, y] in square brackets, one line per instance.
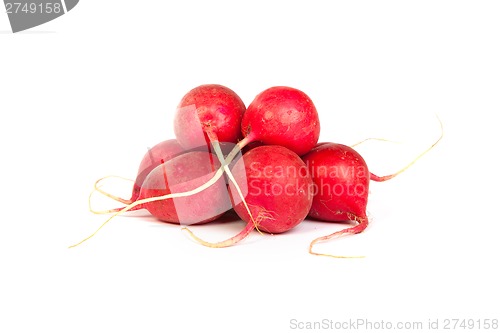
[282, 177]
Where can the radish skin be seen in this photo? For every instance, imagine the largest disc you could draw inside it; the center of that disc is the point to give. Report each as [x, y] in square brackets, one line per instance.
[208, 110]
[282, 116]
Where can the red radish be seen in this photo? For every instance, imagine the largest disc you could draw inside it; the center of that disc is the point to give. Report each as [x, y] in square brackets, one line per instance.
[341, 181]
[278, 185]
[187, 189]
[279, 191]
[282, 116]
[206, 113]
[158, 154]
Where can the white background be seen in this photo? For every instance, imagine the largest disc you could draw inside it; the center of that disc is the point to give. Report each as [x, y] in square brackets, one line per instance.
[83, 96]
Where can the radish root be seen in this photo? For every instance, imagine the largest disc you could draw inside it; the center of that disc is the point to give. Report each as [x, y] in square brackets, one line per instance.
[251, 225]
[228, 242]
[362, 224]
[99, 212]
[109, 195]
[97, 188]
[372, 139]
[224, 163]
[387, 177]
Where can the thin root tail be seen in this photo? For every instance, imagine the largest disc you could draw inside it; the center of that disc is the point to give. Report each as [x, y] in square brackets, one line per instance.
[387, 177]
[362, 224]
[228, 242]
[109, 195]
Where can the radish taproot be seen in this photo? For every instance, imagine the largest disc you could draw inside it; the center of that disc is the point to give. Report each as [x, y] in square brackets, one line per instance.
[156, 155]
[388, 177]
[278, 192]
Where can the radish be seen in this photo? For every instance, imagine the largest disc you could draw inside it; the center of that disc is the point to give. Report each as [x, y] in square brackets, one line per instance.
[341, 182]
[207, 113]
[158, 154]
[279, 187]
[187, 189]
[282, 116]
[279, 191]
